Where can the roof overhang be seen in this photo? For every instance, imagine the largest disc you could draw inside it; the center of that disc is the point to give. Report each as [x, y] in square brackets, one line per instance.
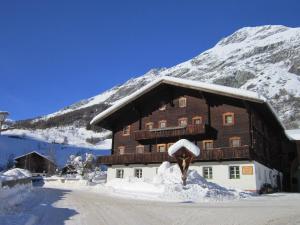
[190, 84]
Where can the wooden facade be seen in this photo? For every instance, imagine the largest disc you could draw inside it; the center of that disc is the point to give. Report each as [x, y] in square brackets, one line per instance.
[36, 163]
[225, 128]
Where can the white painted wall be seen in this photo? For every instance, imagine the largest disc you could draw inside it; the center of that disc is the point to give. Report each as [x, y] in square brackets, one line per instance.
[261, 174]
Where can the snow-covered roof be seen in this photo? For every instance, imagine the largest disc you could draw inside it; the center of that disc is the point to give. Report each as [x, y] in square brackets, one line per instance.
[44, 156]
[191, 84]
[293, 134]
[183, 143]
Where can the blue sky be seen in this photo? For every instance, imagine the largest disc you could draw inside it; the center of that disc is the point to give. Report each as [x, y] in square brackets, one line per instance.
[55, 52]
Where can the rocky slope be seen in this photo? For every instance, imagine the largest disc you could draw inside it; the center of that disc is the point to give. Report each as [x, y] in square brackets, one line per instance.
[264, 59]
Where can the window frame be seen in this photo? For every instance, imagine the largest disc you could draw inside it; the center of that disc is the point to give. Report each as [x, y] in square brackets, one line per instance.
[234, 175]
[146, 125]
[122, 147]
[182, 104]
[121, 175]
[125, 129]
[209, 172]
[182, 119]
[161, 121]
[139, 146]
[197, 118]
[159, 145]
[207, 141]
[224, 119]
[138, 175]
[235, 138]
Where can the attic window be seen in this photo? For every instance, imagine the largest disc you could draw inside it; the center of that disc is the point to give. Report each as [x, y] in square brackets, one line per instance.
[228, 119]
[126, 131]
[182, 102]
[162, 124]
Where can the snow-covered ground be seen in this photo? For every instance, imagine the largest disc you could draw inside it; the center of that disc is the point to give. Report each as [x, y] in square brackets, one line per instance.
[54, 205]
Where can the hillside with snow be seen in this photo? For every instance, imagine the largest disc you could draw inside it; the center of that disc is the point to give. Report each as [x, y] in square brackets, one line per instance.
[264, 59]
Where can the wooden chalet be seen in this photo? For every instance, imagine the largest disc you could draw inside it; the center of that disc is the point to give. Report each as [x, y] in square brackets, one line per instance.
[232, 127]
[36, 163]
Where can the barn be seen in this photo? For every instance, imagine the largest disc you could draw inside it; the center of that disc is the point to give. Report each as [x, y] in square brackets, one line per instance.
[36, 163]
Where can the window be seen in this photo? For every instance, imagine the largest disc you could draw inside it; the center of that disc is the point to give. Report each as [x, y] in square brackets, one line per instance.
[228, 119]
[182, 122]
[162, 124]
[139, 149]
[161, 147]
[182, 102]
[121, 150]
[234, 172]
[197, 120]
[208, 144]
[235, 142]
[126, 131]
[149, 126]
[162, 106]
[169, 145]
[207, 172]
[119, 173]
[138, 173]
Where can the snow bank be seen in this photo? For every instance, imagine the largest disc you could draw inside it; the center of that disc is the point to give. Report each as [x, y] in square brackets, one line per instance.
[10, 197]
[167, 185]
[15, 174]
[183, 143]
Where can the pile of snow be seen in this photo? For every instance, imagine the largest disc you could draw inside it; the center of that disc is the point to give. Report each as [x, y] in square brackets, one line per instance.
[15, 174]
[167, 185]
[186, 144]
[10, 197]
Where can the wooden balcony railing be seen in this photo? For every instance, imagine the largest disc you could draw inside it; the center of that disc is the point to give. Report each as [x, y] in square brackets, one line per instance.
[216, 154]
[169, 132]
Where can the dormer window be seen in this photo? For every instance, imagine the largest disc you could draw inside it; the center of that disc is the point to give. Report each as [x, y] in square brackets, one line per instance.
[182, 102]
[162, 124]
[126, 131]
[228, 119]
[182, 122]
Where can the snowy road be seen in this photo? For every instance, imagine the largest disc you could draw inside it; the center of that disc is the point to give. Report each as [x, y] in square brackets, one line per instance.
[50, 206]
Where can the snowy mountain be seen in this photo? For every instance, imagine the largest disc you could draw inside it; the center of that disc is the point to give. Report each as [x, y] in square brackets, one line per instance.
[264, 59]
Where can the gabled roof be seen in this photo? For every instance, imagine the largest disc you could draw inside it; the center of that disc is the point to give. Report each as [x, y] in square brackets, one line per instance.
[191, 84]
[29, 153]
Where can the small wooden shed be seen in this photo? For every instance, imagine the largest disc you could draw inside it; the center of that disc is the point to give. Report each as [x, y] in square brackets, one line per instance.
[36, 163]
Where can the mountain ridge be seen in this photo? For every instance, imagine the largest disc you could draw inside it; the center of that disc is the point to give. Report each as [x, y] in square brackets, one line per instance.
[263, 59]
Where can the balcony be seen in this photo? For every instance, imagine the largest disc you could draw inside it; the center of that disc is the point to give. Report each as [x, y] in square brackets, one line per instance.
[169, 132]
[216, 154]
